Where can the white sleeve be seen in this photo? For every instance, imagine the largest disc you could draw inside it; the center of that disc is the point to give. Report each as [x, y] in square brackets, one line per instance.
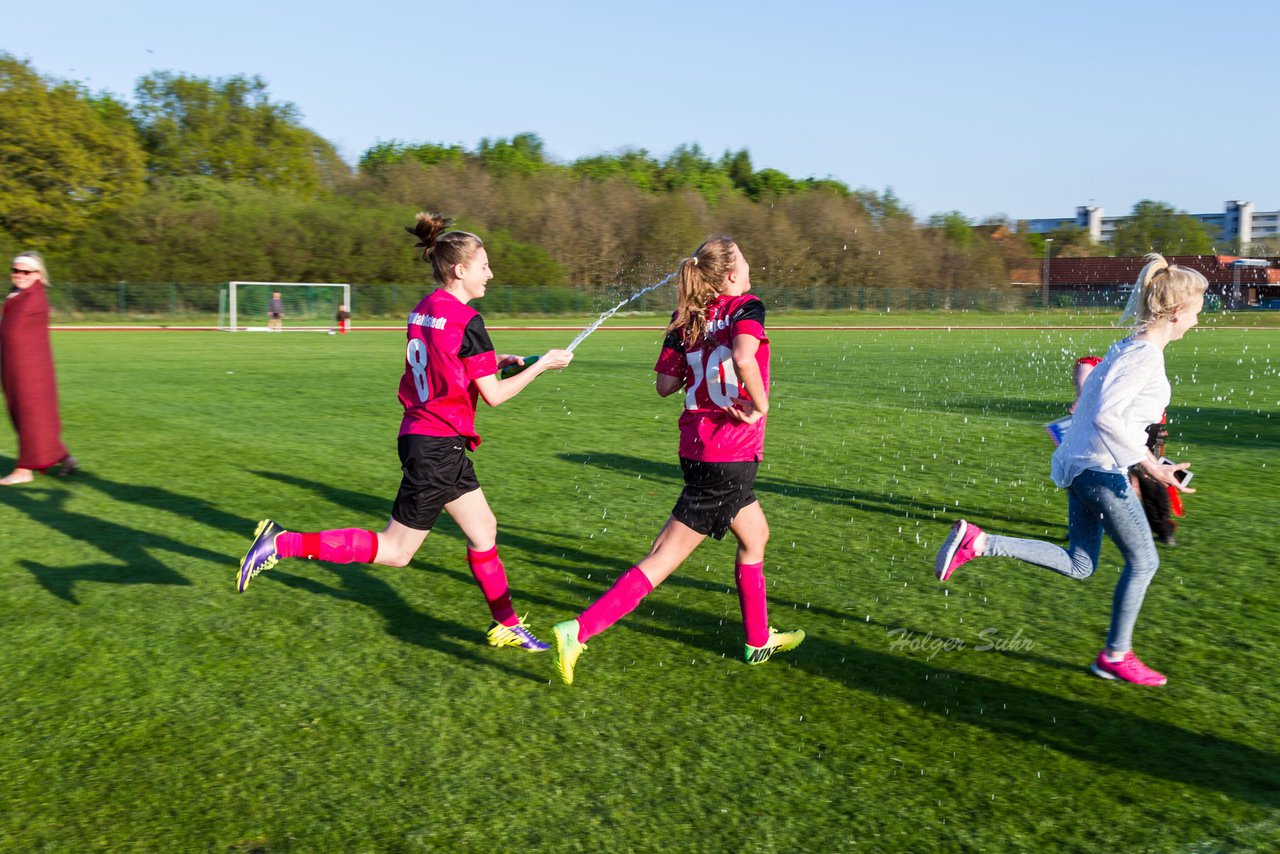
[1130, 374]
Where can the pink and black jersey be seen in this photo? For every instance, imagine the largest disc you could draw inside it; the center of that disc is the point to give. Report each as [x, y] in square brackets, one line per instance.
[448, 350]
[707, 432]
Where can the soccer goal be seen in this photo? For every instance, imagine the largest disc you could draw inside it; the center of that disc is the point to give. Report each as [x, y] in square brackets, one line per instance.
[307, 306]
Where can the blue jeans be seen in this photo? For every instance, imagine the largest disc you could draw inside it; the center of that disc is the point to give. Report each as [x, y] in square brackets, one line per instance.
[1097, 502]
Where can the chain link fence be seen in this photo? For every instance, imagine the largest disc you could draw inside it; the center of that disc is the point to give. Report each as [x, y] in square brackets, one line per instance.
[172, 301]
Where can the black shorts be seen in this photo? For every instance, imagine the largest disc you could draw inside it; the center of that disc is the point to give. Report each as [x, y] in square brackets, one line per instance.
[275, 315]
[436, 471]
[713, 494]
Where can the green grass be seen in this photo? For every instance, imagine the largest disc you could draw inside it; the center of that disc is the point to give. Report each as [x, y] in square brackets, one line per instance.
[148, 707]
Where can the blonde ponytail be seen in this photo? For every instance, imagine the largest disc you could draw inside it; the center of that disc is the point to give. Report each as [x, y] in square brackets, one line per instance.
[1162, 288]
[699, 280]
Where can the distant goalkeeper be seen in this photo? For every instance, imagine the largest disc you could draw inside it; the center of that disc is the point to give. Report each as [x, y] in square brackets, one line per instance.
[275, 313]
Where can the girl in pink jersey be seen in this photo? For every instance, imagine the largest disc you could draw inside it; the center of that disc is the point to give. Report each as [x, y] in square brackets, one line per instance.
[717, 352]
[449, 364]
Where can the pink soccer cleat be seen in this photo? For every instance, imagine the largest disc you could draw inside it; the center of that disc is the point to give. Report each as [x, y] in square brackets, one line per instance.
[1129, 668]
[956, 549]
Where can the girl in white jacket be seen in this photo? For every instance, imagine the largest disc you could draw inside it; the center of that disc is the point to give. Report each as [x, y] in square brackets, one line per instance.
[1123, 394]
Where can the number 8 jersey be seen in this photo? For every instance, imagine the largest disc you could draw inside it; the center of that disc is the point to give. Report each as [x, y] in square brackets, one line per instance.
[448, 348]
[707, 432]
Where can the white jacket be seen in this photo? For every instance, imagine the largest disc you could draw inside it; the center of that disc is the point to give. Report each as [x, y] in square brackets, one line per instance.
[1126, 392]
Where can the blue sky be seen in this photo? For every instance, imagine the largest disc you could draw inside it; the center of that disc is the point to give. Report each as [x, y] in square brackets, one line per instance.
[988, 108]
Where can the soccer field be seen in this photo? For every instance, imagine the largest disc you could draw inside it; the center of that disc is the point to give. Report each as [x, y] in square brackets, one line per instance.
[149, 707]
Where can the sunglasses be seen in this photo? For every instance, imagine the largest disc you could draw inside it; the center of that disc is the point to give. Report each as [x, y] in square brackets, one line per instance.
[16, 272]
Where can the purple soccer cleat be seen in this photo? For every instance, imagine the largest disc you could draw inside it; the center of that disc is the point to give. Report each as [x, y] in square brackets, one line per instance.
[517, 636]
[261, 555]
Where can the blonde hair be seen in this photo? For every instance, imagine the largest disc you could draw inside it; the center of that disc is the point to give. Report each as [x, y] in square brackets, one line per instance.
[1162, 288]
[36, 260]
[441, 248]
[699, 280]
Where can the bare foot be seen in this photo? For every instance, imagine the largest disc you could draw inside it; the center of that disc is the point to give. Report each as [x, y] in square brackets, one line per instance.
[17, 476]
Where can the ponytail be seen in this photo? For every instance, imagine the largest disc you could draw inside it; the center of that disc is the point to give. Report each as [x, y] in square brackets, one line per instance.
[699, 280]
[1161, 289]
[441, 248]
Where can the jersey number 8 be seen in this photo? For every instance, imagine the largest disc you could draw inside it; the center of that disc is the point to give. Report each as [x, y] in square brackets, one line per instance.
[416, 356]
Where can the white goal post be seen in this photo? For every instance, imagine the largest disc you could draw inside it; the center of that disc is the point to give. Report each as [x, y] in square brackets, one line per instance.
[308, 306]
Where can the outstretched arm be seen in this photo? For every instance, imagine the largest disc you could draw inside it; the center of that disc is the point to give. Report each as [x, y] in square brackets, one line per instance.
[497, 391]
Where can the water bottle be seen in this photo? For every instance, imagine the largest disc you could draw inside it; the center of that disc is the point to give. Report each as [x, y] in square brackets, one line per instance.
[515, 367]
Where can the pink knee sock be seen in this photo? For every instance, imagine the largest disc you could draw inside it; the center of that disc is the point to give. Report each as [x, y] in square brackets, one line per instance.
[755, 607]
[492, 578]
[344, 545]
[618, 601]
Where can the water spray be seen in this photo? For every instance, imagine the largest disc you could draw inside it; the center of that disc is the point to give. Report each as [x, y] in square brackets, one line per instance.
[513, 369]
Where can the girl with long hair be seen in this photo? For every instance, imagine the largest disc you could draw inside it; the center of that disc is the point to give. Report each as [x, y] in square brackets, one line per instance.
[1125, 392]
[717, 352]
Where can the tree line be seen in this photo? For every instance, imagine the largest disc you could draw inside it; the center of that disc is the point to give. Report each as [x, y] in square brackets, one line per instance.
[206, 180]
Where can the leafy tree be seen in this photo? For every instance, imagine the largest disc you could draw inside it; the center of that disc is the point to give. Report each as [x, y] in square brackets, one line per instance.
[1159, 227]
[738, 167]
[689, 168]
[770, 184]
[229, 129]
[825, 184]
[632, 165]
[523, 154]
[1068, 241]
[65, 156]
[385, 154]
[954, 227]
[883, 206]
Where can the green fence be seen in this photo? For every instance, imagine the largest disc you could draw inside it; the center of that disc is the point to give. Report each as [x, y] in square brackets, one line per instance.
[169, 300]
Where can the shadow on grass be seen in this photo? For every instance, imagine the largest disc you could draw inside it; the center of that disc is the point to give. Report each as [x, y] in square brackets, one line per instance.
[1228, 428]
[131, 547]
[1077, 728]
[363, 585]
[359, 503]
[897, 506]
[509, 536]
[1196, 425]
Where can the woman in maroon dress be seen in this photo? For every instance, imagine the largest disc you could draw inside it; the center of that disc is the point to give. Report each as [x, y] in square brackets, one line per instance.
[26, 372]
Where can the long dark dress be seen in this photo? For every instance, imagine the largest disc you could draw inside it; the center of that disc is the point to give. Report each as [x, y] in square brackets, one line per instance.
[26, 372]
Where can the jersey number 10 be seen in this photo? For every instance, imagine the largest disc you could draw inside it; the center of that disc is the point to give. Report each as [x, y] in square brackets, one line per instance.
[719, 376]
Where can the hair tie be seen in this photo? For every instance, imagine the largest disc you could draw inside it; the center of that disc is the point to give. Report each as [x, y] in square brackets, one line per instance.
[694, 259]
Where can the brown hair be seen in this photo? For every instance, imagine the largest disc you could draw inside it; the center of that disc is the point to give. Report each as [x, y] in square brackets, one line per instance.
[443, 249]
[1162, 288]
[699, 280]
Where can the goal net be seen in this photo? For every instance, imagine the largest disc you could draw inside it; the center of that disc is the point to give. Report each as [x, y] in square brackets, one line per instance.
[306, 306]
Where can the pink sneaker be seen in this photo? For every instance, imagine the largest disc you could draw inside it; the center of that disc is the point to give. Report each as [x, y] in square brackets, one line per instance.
[956, 549]
[1129, 668]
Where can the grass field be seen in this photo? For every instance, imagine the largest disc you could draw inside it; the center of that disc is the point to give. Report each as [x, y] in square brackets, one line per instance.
[150, 708]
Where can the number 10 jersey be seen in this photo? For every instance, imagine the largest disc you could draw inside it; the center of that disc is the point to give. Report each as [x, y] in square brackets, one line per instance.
[707, 432]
